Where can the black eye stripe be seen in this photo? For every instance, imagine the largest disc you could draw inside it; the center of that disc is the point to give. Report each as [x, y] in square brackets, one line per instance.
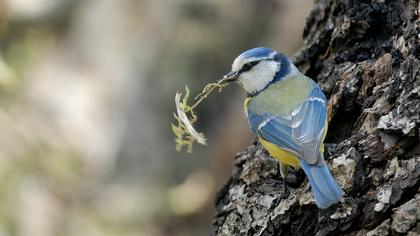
[248, 66]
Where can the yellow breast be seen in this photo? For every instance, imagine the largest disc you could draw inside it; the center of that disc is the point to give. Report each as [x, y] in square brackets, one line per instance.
[281, 155]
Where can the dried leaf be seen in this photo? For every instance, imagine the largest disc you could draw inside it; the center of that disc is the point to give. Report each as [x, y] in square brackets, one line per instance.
[184, 131]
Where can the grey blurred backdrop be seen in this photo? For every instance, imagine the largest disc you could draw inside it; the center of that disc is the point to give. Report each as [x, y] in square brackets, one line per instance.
[86, 101]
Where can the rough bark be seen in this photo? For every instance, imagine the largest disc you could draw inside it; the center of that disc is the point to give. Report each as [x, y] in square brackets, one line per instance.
[365, 56]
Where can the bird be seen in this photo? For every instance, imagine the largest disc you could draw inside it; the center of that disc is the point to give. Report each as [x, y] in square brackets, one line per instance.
[287, 111]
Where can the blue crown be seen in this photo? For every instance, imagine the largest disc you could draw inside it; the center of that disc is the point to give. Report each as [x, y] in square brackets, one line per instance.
[257, 52]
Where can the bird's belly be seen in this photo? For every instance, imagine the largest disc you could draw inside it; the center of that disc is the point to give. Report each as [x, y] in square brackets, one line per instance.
[281, 155]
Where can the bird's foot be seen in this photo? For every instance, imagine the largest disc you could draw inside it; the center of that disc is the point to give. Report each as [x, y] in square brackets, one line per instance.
[294, 178]
[331, 149]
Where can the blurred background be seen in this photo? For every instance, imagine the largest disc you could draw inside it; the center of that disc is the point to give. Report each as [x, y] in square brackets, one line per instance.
[86, 101]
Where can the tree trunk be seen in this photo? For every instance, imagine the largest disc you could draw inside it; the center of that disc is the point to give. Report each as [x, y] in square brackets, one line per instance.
[365, 56]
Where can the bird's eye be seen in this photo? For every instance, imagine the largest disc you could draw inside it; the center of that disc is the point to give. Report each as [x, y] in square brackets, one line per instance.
[248, 66]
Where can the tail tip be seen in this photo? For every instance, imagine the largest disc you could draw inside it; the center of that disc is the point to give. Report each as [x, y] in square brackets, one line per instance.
[324, 203]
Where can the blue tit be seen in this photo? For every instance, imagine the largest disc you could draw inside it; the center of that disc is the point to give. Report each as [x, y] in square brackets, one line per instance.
[287, 111]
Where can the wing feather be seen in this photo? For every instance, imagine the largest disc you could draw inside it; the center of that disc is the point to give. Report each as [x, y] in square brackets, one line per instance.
[308, 124]
[275, 129]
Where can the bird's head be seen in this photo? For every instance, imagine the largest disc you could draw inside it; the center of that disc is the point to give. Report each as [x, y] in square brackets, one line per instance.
[257, 68]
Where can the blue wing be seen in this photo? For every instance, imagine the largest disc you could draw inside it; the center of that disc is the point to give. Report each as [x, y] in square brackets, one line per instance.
[301, 132]
[275, 129]
[308, 124]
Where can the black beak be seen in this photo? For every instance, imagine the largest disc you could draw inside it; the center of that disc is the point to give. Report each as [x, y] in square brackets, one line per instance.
[231, 76]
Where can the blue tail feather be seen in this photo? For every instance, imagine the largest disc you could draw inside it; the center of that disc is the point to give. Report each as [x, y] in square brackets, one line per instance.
[326, 190]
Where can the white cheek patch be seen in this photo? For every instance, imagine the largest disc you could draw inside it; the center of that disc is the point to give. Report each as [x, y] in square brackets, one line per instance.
[259, 76]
